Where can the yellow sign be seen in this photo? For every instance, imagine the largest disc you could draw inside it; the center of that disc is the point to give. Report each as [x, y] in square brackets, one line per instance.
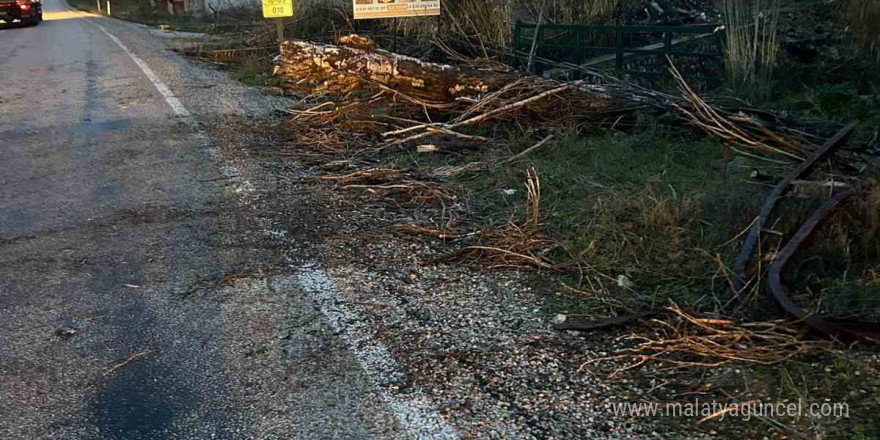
[394, 8]
[277, 8]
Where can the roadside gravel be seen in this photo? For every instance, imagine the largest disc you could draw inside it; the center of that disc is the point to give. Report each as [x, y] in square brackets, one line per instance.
[475, 344]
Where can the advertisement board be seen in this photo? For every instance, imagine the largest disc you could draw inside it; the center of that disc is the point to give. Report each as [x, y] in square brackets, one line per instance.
[364, 9]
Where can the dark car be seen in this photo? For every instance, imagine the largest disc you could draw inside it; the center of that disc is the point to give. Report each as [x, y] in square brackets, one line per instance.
[27, 11]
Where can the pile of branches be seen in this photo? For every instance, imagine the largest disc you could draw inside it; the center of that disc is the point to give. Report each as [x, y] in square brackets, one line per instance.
[359, 98]
[685, 340]
[543, 102]
[336, 126]
[765, 135]
[360, 124]
[739, 129]
[361, 103]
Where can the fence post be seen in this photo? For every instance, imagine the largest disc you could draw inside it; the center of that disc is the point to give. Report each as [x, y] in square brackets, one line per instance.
[618, 62]
[667, 41]
[533, 51]
[516, 30]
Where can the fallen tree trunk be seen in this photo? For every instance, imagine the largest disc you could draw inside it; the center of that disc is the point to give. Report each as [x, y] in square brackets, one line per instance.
[357, 64]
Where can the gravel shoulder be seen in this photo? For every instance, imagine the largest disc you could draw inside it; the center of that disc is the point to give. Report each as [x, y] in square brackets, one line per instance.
[475, 346]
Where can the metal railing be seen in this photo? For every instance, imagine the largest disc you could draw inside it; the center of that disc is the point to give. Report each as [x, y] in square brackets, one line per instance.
[597, 45]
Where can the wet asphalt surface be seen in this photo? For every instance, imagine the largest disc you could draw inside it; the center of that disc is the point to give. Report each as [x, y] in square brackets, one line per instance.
[139, 296]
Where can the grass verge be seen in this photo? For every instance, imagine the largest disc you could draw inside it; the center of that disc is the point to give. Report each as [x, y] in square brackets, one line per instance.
[649, 207]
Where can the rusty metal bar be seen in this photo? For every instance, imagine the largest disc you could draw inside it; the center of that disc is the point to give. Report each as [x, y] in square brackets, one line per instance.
[589, 325]
[739, 283]
[858, 330]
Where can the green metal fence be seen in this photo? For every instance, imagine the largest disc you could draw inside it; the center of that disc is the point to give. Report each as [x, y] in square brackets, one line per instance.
[624, 46]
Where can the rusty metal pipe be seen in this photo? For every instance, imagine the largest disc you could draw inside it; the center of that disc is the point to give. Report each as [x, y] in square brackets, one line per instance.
[848, 330]
[742, 261]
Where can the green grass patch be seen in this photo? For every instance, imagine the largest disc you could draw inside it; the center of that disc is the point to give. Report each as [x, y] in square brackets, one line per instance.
[253, 70]
[653, 216]
[840, 103]
[656, 208]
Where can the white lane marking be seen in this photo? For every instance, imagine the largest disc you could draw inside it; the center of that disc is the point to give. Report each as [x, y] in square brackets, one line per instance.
[416, 413]
[163, 89]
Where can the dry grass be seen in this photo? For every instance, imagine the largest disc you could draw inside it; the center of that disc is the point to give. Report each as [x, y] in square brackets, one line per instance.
[517, 246]
[393, 184]
[320, 19]
[752, 45]
[685, 341]
[584, 12]
[838, 271]
[479, 24]
[855, 229]
[487, 23]
[863, 19]
[653, 237]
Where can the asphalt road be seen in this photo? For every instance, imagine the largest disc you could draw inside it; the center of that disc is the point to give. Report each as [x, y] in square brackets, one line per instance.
[138, 297]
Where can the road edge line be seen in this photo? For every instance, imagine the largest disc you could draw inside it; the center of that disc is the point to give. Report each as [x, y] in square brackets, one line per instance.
[417, 415]
[163, 89]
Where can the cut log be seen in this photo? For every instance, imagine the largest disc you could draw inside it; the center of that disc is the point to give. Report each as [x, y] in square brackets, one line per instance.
[357, 64]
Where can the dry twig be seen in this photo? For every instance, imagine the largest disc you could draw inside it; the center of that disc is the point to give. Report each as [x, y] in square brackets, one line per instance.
[689, 341]
[127, 361]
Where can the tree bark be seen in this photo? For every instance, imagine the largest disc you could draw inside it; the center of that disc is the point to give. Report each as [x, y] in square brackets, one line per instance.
[356, 63]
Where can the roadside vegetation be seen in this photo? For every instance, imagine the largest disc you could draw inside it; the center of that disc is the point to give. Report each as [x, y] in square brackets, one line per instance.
[140, 11]
[252, 64]
[626, 205]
